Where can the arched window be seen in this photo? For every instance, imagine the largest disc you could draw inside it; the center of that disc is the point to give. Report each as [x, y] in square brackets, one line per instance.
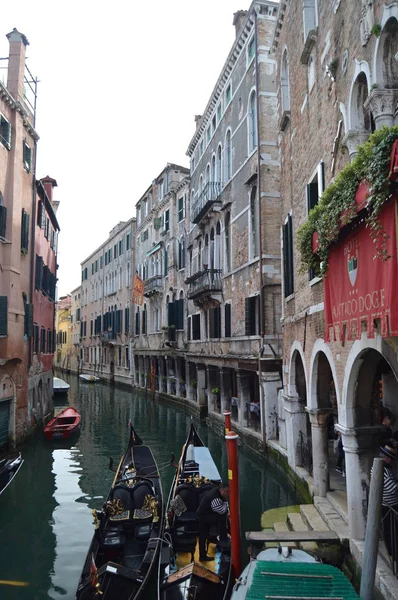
[200, 185]
[213, 168]
[219, 169]
[228, 262]
[285, 86]
[254, 220]
[228, 157]
[217, 250]
[106, 285]
[181, 254]
[128, 274]
[211, 253]
[206, 253]
[207, 177]
[200, 256]
[252, 122]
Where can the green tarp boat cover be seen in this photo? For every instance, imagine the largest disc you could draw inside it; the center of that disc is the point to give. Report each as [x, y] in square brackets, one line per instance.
[284, 580]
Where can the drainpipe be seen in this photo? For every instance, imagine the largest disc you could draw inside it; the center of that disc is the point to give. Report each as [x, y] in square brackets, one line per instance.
[260, 241]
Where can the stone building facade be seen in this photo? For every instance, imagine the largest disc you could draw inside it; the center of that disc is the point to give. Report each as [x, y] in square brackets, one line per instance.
[159, 336]
[74, 363]
[46, 229]
[18, 141]
[63, 326]
[337, 82]
[106, 306]
[233, 264]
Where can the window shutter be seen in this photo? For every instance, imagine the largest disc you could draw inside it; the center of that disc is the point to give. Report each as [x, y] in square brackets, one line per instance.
[3, 220]
[3, 315]
[137, 323]
[157, 223]
[126, 320]
[247, 316]
[29, 320]
[85, 328]
[217, 322]
[39, 213]
[171, 314]
[25, 231]
[39, 272]
[189, 328]
[227, 320]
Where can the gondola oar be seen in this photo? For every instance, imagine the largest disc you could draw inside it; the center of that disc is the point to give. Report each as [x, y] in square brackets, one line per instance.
[14, 583]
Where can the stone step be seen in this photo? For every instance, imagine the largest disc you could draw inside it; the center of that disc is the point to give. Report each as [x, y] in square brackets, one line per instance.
[282, 526]
[312, 517]
[296, 523]
[332, 518]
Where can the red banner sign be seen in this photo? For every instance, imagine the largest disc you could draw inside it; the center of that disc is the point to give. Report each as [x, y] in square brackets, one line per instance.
[360, 289]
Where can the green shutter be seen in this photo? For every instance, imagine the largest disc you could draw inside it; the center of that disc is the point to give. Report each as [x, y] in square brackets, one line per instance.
[29, 320]
[157, 222]
[3, 315]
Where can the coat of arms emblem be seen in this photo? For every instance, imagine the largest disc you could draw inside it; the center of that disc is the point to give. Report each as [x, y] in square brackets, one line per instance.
[352, 266]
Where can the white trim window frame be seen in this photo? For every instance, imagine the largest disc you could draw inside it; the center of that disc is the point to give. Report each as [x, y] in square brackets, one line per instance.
[5, 132]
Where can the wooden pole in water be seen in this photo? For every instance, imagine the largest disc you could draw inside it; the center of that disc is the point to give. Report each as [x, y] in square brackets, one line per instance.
[234, 504]
[372, 531]
[227, 419]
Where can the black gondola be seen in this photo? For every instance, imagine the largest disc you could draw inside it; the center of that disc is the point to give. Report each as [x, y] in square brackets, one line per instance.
[126, 541]
[181, 575]
[9, 467]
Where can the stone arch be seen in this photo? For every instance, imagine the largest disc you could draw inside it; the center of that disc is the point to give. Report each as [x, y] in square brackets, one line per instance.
[385, 66]
[297, 374]
[321, 347]
[359, 117]
[343, 111]
[367, 359]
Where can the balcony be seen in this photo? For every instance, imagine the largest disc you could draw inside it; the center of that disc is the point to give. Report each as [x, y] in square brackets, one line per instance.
[204, 284]
[153, 285]
[210, 194]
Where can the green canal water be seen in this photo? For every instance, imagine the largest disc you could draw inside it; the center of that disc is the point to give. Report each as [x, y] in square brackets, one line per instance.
[45, 514]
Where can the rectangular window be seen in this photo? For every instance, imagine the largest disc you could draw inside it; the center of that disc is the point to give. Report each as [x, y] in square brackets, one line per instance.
[40, 210]
[27, 157]
[120, 356]
[196, 327]
[252, 315]
[251, 49]
[78, 314]
[115, 251]
[25, 231]
[215, 322]
[137, 322]
[288, 256]
[127, 242]
[201, 147]
[3, 315]
[127, 357]
[47, 229]
[36, 338]
[228, 94]
[3, 220]
[181, 208]
[120, 247]
[189, 328]
[161, 189]
[92, 268]
[28, 321]
[144, 320]
[42, 340]
[126, 320]
[5, 132]
[208, 134]
[39, 272]
[219, 112]
[101, 262]
[49, 341]
[227, 316]
[167, 220]
[214, 123]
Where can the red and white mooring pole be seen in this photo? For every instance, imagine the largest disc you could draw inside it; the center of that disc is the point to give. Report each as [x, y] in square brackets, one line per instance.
[227, 421]
[234, 504]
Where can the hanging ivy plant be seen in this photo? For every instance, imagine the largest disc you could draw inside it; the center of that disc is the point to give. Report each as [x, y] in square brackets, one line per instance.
[337, 206]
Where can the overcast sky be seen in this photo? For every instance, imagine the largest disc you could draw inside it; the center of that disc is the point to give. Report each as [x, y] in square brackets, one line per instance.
[120, 83]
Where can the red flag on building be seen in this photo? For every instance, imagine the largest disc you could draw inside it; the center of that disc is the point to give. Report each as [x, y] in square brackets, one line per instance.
[138, 290]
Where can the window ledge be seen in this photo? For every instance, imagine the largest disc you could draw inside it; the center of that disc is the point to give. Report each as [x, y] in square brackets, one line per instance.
[308, 46]
[289, 298]
[314, 281]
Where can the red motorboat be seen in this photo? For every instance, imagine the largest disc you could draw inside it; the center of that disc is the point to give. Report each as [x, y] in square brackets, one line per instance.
[65, 424]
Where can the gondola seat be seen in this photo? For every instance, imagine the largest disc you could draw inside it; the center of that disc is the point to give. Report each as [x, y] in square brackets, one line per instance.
[143, 532]
[190, 498]
[184, 541]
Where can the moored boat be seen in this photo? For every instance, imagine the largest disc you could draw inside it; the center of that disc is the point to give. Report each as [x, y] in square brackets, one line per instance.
[60, 386]
[9, 467]
[291, 573]
[126, 541]
[88, 378]
[65, 424]
[180, 569]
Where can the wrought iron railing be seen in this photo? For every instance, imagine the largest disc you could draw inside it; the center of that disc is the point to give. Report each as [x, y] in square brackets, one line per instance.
[304, 450]
[207, 280]
[210, 194]
[390, 534]
[153, 284]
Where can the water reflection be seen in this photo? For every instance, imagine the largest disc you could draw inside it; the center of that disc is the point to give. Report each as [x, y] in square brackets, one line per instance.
[46, 521]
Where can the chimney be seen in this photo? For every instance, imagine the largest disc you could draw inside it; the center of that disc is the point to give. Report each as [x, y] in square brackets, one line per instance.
[16, 63]
[197, 120]
[239, 19]
[49, 183]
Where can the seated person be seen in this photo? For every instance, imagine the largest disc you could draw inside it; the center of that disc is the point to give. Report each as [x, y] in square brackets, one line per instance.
[213, 509]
